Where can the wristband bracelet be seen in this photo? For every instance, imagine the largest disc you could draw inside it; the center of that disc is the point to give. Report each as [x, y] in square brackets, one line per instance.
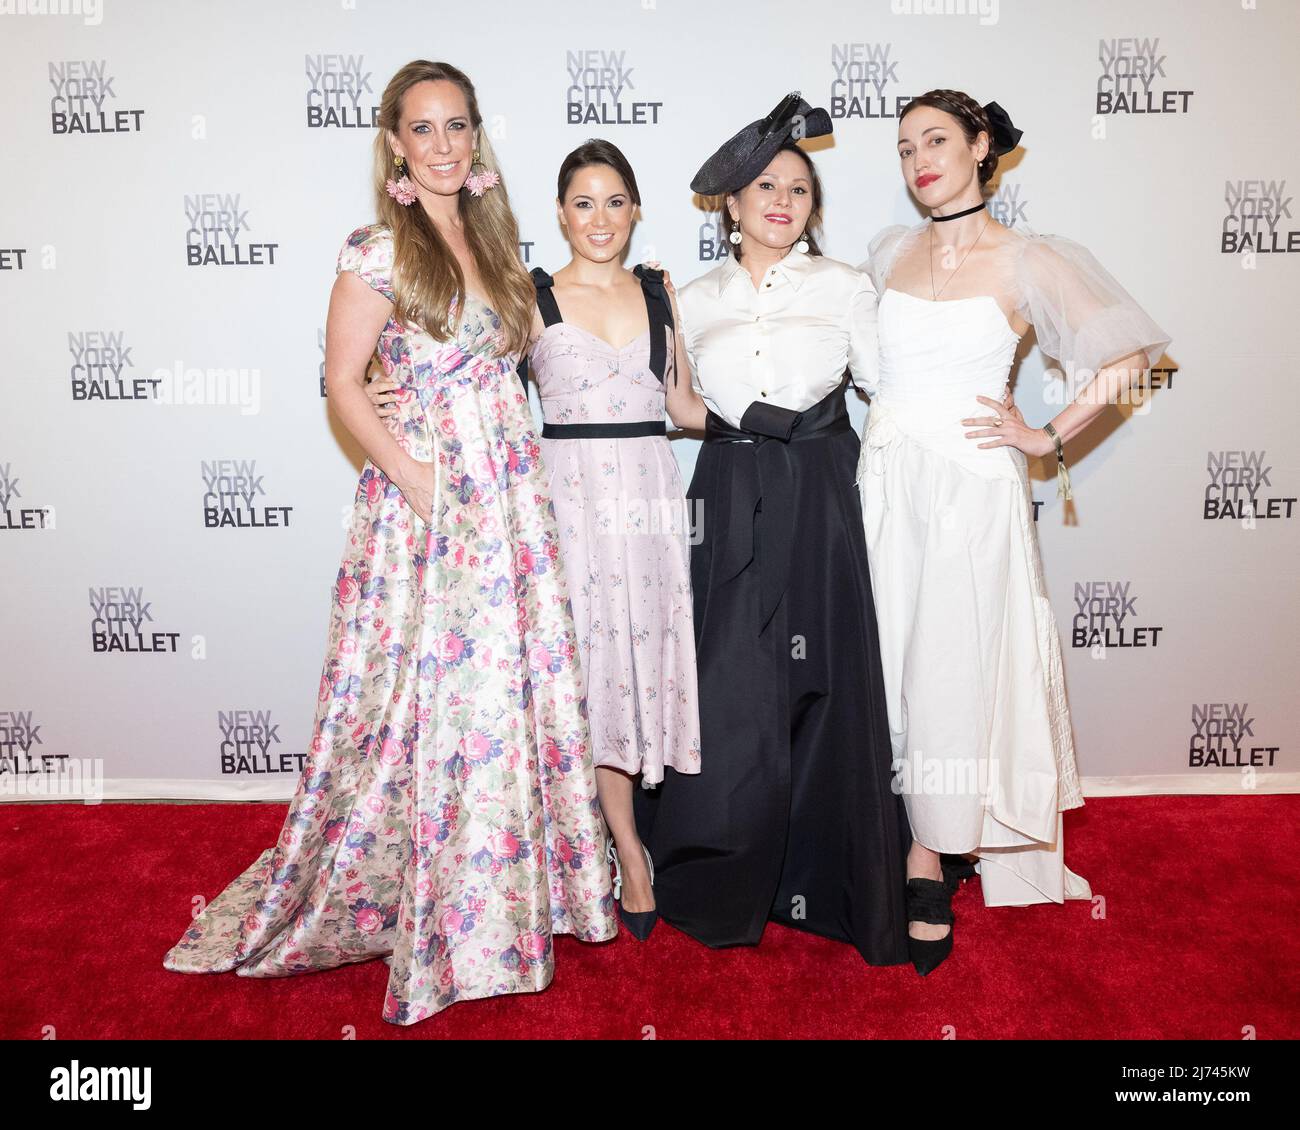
[1062, 471]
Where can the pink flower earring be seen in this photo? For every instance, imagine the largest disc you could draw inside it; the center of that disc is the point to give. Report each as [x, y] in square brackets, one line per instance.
[401, 190]
[479, 183]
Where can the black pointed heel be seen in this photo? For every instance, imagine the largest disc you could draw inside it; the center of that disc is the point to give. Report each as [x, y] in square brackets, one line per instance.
[638, 922]
[929, 900]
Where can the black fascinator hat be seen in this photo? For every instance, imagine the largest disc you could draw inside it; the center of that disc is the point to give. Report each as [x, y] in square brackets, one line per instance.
[739, 160]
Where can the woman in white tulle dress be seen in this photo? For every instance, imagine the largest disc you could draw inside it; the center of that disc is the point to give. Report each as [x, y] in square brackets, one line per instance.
[969, 646]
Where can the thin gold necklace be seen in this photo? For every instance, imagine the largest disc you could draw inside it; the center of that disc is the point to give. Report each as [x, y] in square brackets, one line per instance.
[934, 294]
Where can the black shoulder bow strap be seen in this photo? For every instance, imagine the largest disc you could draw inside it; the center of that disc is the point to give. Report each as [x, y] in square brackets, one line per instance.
[661, 318]
[550, 314]
[546, 297]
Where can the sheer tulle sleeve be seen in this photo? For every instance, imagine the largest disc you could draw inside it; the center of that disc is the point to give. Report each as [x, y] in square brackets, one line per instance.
[883, 251]
[368, 252]
[1081, 315]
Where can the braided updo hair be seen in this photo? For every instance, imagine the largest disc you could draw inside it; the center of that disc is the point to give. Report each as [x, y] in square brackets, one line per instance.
[970, 115]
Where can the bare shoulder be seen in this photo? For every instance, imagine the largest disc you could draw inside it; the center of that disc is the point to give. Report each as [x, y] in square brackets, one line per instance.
[538, 326]
[561, 279]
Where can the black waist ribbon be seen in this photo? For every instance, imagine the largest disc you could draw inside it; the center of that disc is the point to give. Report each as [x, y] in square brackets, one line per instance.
[762, 504]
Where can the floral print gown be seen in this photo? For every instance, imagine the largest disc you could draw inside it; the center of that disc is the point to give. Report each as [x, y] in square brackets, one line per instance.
[447, 818]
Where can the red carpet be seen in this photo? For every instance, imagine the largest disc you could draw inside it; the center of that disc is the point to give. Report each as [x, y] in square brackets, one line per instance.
[1197, 942]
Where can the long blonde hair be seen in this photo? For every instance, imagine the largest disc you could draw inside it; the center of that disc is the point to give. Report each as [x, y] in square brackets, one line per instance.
[428, 284]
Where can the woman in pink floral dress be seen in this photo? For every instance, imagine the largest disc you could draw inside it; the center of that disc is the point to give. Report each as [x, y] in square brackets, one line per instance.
[623, 517]
[447, 818]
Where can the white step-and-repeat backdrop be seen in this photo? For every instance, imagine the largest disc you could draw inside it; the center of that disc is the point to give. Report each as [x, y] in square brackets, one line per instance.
[179, 178]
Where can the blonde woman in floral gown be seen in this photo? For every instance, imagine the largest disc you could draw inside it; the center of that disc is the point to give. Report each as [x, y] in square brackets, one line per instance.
[447, 818]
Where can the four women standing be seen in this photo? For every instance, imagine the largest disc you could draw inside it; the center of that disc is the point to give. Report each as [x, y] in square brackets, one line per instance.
[447, 820]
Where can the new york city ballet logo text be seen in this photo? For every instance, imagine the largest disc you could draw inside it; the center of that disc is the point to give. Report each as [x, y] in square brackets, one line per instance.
[230, 490]
[20, 735]
[83, 99]
[1127, 84]
[1107, 617]
[712, 242]
[1253, 223]
[1008, 207]
[1241, 486]
[101, 368]
[123, 622]
[248, 738]
[14, 517]
[865, 81]
[340, 94]
[1223, 737]
[212, 238]
[602, 92]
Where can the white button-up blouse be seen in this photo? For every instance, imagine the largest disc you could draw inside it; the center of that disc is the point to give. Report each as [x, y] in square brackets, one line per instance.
[786, 342]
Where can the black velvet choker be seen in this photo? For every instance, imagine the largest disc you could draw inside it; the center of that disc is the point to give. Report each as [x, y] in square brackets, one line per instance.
[958, 215]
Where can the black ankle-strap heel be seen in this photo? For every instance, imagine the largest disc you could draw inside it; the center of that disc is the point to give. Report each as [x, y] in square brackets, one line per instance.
[929, 900]
[956, 870]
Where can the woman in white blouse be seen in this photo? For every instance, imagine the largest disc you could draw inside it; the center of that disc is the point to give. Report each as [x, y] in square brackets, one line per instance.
[791, 817]
[971, 657]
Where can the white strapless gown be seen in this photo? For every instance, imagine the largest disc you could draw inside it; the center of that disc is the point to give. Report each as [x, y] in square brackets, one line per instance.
[968, 642]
